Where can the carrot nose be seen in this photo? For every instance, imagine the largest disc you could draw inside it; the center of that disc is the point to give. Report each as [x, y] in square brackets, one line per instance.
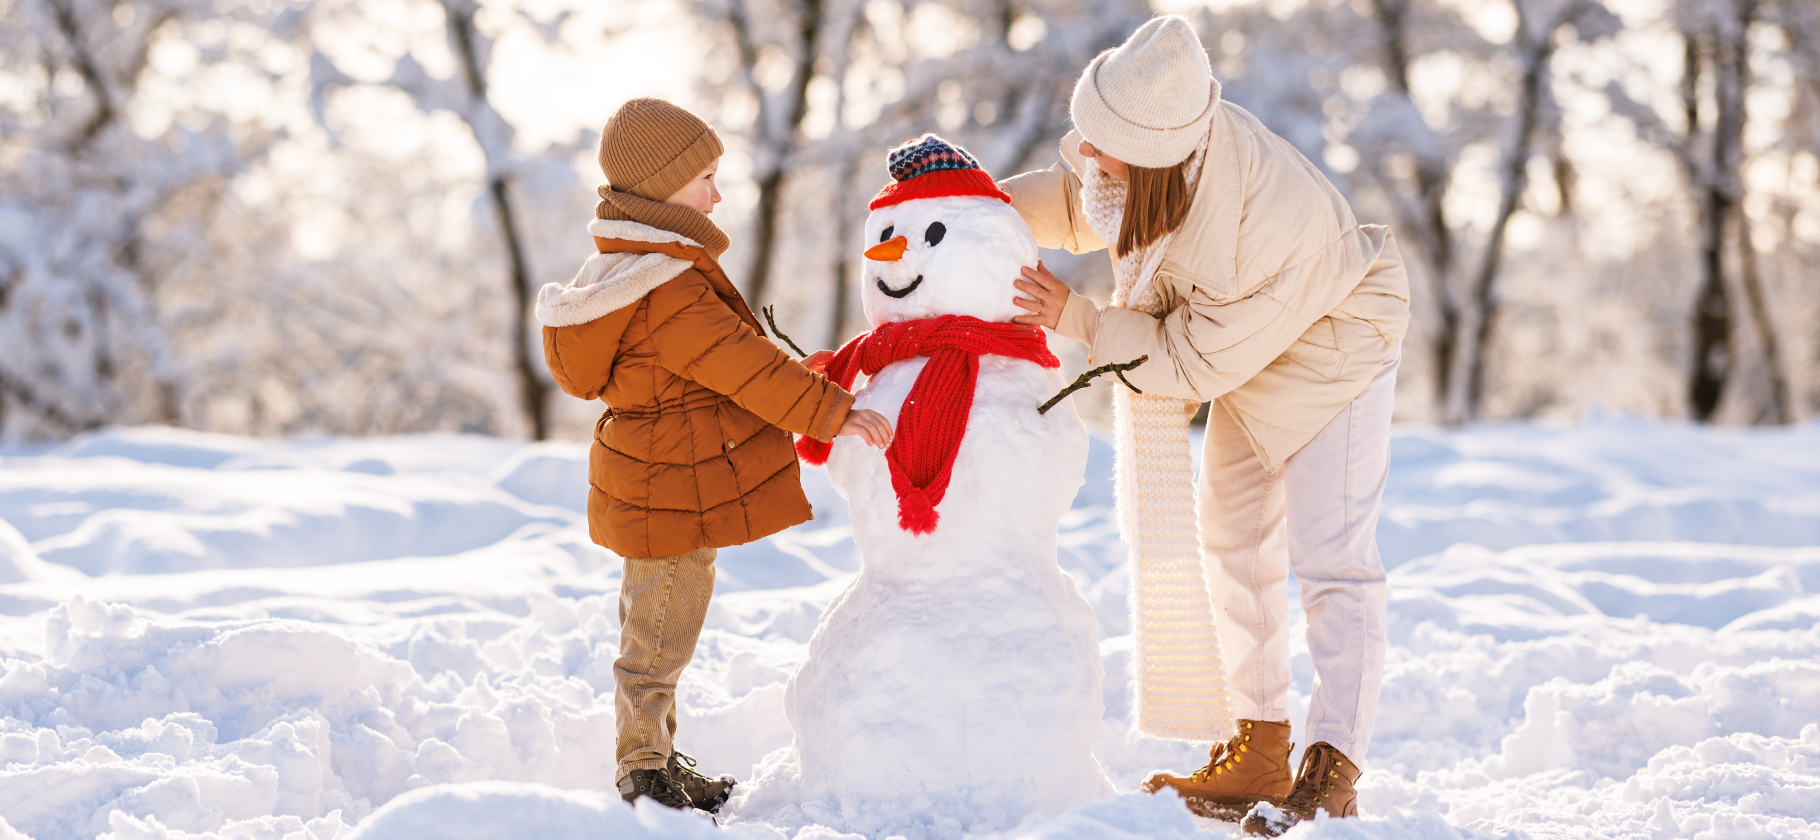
[890, 250]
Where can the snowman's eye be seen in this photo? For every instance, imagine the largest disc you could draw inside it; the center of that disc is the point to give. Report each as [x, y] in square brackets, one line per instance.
[889, 229]
[935, 233]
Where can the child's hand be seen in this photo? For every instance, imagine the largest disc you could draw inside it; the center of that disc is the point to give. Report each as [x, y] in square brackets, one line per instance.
[868, 424]
[818, 360]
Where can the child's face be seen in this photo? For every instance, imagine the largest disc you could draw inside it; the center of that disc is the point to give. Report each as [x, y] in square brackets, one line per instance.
[700, 194]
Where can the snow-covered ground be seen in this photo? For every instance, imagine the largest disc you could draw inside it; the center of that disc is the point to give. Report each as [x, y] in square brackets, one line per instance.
[1606, 630]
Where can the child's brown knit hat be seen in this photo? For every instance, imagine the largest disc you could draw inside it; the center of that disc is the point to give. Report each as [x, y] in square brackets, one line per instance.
[651, 148]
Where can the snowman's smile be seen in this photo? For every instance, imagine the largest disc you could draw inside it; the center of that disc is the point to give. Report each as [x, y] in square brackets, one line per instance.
[898, 293]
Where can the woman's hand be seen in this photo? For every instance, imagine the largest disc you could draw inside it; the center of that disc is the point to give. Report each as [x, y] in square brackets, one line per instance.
[868, 424]
[818, 360]
[1050, 294]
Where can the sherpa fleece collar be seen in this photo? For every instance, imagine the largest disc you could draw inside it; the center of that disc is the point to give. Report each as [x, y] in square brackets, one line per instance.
[609, 282]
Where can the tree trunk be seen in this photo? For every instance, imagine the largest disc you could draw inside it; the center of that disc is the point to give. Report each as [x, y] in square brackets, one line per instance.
[771, 182]
[1735, 79]
[533, 393]
[1712, 317]
[1712, 311]
[764, 234]
[1427, 224]
[1722, 224]
[1782, 408]
[843, 264]
[1535, 57]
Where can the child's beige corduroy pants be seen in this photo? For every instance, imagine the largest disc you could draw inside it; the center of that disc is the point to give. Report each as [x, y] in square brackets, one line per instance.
[663, 602]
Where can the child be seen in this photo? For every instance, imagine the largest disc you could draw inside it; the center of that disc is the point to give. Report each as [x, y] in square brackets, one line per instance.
[694, 451]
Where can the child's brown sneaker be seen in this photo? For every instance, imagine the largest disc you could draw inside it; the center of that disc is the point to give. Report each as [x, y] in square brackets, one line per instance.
[1252, 767]
[1326, 782]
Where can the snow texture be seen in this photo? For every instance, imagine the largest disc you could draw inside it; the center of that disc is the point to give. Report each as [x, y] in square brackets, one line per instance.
[956, 683]
[1599, 631]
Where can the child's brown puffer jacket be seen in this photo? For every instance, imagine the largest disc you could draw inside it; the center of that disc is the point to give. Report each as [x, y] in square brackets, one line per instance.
[693, 450]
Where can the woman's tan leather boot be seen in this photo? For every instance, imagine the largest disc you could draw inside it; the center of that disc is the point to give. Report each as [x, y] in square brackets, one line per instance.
[1252, 767]
[1327, 782]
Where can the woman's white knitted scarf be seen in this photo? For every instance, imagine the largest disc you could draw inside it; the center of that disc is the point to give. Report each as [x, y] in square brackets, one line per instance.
[1181, 682]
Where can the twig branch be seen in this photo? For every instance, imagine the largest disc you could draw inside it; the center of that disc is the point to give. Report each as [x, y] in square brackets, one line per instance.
[1115, 368]
[772, 320]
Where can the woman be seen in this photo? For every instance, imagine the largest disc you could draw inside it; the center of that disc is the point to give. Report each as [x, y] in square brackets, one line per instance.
[1244, 277]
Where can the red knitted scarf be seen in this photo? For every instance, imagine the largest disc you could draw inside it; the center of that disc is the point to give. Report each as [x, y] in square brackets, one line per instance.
[934, 416]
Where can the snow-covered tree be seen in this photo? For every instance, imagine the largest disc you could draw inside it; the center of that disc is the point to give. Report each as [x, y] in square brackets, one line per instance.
[88, 167]
[327, 215]
[815, 92]
[1728, 48]
[515, 182]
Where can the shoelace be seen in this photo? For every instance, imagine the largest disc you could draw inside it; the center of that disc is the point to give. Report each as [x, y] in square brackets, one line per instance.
[1306, 797]
[1226, 756]
[1224, 753]
[684, 765]
[663, 787]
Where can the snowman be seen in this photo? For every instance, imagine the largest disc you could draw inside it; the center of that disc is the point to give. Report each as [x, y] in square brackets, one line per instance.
[955, 685]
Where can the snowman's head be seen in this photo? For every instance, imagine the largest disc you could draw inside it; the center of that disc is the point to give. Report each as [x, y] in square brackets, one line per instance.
[942, 239]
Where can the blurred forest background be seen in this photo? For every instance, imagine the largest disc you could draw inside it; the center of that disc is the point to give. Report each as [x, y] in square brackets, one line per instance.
[302, 216]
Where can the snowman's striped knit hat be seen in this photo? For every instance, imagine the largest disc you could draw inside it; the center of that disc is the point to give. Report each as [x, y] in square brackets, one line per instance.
[930, 167]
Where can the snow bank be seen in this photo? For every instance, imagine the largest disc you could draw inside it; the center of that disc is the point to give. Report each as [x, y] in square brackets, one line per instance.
[487, 810]
[1508, 486]
[92, 511]
[19, 562]
[1605, 631]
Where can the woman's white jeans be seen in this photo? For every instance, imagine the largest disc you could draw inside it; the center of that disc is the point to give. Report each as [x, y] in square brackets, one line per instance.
[1317, 515]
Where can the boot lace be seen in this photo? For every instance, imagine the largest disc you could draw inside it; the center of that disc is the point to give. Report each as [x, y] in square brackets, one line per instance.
[665, 788]
[1314, 781]
[1223, 755]
[683, 766]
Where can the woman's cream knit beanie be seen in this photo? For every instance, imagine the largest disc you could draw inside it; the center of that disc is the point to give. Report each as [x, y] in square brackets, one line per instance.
[1147, 101]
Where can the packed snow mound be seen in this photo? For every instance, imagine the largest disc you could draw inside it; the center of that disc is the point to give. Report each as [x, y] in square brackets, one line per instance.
[490, 810]
[19, 562]
[1591, 653]
[103, 515]
[547, 474]
[161, 445]
[1616, 480]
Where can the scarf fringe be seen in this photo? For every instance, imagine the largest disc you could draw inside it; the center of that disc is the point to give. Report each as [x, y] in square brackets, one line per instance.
[915, 511]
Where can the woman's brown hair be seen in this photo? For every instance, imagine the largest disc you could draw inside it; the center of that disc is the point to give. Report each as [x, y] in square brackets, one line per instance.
[1156, 203]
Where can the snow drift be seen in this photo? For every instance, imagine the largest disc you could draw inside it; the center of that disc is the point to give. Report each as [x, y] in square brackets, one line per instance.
[1599, 631]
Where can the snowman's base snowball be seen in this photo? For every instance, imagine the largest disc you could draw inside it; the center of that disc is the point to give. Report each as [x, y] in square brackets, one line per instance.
[955, 685]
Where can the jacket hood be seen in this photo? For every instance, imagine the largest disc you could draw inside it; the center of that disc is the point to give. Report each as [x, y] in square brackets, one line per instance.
[611, 282]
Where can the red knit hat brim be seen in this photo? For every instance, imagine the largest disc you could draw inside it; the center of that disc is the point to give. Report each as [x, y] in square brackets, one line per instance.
[942, 183]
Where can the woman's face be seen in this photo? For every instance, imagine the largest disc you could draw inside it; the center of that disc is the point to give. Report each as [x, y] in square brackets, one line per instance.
[700, 194]
[1109, 164]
